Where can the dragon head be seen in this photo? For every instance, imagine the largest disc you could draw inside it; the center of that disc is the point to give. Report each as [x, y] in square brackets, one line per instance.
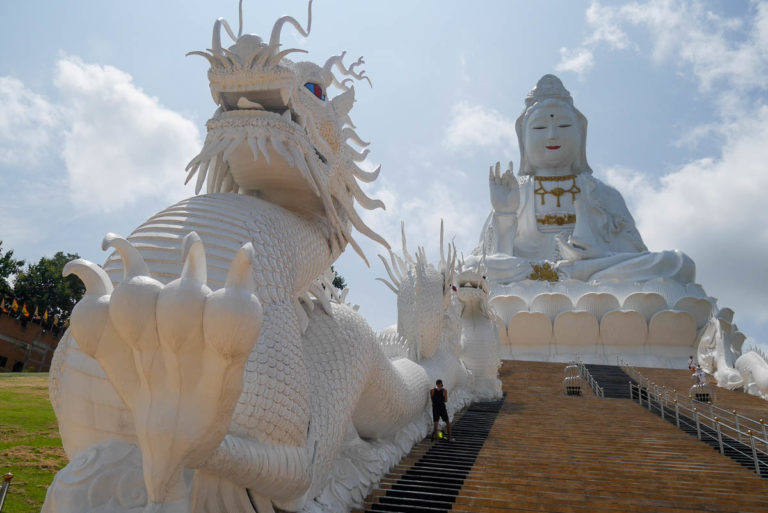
[424, 294]
[277, 133]
[473, 284]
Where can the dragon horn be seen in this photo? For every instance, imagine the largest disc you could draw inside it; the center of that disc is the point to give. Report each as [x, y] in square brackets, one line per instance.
[274, 38]
[216, 39]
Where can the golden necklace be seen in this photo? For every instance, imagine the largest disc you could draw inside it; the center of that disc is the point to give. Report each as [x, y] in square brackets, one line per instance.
[539, 190]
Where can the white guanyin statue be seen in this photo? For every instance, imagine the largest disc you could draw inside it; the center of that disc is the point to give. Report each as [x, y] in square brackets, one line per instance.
[568, 272]
[555, 211]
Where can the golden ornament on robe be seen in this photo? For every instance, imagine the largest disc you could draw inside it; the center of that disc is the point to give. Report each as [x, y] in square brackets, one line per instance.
[543, 272]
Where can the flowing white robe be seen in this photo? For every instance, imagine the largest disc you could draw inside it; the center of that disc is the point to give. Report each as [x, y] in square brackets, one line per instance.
[603, 224]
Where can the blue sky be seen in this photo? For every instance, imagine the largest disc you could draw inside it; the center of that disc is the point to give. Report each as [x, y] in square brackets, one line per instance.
[100, 111]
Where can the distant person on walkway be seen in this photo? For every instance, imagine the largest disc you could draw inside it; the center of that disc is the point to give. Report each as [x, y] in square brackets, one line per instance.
[439, 397]
[700, 376]
[690, 363]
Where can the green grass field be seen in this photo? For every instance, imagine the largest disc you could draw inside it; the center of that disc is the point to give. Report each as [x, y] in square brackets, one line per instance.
[30, 445]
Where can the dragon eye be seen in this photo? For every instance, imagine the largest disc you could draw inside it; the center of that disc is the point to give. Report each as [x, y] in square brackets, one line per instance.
[316, 90]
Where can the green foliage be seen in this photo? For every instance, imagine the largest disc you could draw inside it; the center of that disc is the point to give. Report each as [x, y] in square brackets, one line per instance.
[339, 282]
[42, 285]
[30, 445]
[9, 267]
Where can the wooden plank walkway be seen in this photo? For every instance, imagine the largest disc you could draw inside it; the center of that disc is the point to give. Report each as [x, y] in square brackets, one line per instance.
[548, 452]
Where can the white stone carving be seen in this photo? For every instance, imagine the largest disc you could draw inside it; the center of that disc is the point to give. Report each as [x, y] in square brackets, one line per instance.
[556, 211]
[556, 222]
[551, 304]
[699, 308]
[597, 303]
[507, 306]
[719, 346]
[647, 303]
[479, 332]
[670, 332]
[576, 332]
[576, 288]
[210, 366]
[174, 353]
[624, 332]
[530, 337]
[671, 290]
[753, 367]
[105, 477]
[720, 354]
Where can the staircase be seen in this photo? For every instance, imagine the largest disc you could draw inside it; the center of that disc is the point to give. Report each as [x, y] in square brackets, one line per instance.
[615, 382]
[680, 380]
[734, 449]
[720, 437]
[549, 452]
[432, 476]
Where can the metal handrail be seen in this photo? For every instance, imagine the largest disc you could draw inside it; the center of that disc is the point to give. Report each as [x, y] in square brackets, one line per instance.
[4, 488]
[733, 417]
[584, 372]
[723, 422]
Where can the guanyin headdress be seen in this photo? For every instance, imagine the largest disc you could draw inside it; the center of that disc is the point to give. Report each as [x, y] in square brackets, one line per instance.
[548, 89]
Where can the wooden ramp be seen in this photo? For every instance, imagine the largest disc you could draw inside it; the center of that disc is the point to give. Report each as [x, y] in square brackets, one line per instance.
[548, 452]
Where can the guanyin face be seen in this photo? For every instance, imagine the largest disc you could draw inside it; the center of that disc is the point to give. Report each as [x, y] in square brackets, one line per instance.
[552, 138]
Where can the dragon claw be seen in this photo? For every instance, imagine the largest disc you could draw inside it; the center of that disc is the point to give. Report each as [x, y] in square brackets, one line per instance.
[90, 315]
[175, 353]
[133, 262]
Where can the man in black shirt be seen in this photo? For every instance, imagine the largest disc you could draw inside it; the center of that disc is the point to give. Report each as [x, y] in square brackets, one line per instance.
[439, 397]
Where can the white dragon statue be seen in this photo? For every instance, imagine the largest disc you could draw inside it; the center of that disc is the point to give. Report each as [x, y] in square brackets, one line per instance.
[198, 375]
[720, 354]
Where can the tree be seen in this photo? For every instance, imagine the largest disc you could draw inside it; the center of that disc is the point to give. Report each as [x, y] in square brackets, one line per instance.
[339, 282]
[9, 267]
[42, 285]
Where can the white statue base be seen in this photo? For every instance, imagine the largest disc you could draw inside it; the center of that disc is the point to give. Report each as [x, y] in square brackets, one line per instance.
[651, 324]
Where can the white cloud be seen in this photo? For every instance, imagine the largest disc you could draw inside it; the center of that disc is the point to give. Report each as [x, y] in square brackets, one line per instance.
[698, 134]
[718, 50]
[27, 121]
[473, 126]
[605, 27]
[715, 210]
[712, 208]
[422, 214]
[120, 145]
[578, 60]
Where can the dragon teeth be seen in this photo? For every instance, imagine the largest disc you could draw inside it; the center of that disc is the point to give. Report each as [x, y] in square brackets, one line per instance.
[301, 165]
[278, 145]
[233, 146]
[245, 103]
[254, 148]
[261, 141]
[285, 96]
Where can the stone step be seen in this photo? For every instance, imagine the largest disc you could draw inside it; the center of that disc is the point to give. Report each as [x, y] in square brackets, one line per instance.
[434, 475]
[613, 380]
[548, 452]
